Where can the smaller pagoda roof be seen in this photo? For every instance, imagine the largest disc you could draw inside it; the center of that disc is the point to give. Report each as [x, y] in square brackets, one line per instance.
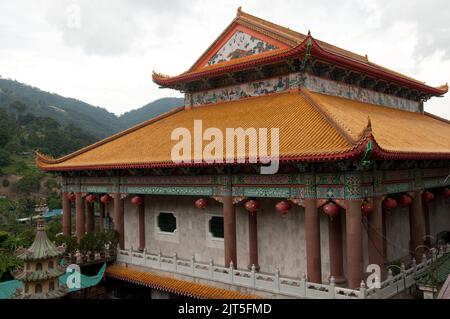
[42, 248]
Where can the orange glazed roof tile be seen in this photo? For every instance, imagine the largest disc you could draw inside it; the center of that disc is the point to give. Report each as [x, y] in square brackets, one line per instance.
[303, 132]
[312, 127]
[171, 285]
[394, 130]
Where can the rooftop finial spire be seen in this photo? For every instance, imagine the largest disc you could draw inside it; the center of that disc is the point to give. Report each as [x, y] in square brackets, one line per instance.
[239, 10]
[40, 208]
[309, 32]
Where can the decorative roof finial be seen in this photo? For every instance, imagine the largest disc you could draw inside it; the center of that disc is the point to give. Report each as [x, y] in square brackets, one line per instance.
[239, 11]
[309, 32]
[40, 208]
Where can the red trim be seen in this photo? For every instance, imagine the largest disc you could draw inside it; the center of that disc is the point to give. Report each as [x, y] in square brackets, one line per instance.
[234, 28]
[317, 51]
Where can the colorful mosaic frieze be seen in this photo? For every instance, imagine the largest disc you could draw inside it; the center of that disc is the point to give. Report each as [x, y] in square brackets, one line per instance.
[292, 82]
[96, 189]
[272, 192]
[264, 179]
[353, 92]
[240, 45]
[329, 179]
[170, 180]
[174, 190]
[329, 192]
[237, 92]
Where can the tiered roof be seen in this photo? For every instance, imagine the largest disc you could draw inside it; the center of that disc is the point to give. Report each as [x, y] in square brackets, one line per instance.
[312, 127]
[293, 44]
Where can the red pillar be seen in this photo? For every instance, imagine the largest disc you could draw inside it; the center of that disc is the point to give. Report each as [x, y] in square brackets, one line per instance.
[79, 206]
[312, 234]
[417, 220]
[119, 219]
[229, 225]
[376, 235]
[253, 240]
[354, 243]
[101, 222]
[336, 253]
[141, 213]
[67, 214]
[90, 218]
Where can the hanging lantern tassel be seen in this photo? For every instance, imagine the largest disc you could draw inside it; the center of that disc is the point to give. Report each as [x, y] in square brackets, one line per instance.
[446, 193]
[283, 207]
[91, 198]
[331, 209]
[390, 203]
[252, 206]
[366, 208]
[71, 197]
[427, 196]
[137, 200]
[105, 199]
[201, 203]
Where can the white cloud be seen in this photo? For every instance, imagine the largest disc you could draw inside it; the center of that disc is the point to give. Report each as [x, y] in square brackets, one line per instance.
[108, 60]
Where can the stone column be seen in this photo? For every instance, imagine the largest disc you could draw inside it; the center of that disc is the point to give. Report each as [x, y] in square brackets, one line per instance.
[336, 252]
[417, 221]
[119, 225]
[67, 214]
[141, 213]
[90, 218]
[101, 222]
[376, 235]
[79, 207]
[312, 234]
[354, 243]
[253, 240]
[229, 225]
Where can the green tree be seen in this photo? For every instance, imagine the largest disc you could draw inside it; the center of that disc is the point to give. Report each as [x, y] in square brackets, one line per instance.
[30, 183]
[5, 158]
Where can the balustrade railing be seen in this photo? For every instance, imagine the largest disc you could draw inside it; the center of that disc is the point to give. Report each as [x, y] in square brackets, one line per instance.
[275, 283]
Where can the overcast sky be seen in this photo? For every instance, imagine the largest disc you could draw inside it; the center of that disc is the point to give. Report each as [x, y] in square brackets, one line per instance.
[104, 51]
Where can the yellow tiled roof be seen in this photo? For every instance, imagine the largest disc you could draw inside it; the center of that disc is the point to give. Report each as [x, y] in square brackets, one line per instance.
[312, 126]
[303, 132]
[172, 285]
[393, 129]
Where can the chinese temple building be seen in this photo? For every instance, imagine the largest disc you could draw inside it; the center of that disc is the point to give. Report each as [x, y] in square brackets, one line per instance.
[362, 177]
[41, 271]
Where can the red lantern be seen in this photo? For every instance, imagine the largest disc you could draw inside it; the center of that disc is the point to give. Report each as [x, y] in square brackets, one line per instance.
[446, 193]
[283, 207]
[252, 206]
[405, 200]
[427, 196]
[137, 200]
[390, 203]
[105, 199]
[71, 197]
[90, 198]
[331, 209]
[201, 203]
[366, 208]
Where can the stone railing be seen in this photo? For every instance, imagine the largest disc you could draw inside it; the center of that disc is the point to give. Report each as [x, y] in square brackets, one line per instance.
[90, 257]
[274, 283]
[271, 283]
[405, 279]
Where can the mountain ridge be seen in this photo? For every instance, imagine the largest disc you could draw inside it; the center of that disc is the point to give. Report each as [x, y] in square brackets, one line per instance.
[94, 120]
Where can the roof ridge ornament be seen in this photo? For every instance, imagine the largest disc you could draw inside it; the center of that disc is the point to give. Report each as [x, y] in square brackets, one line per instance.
[239, 11]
